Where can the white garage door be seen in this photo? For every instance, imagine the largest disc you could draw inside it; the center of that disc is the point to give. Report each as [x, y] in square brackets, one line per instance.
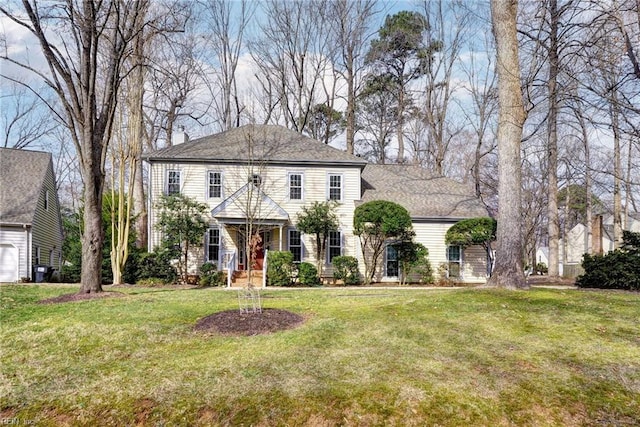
[8, 263]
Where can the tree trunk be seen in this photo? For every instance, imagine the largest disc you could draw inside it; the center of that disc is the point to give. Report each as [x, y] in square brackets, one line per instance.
[617, 174]
[93, 233]
[508, 272]
[140, 207]
[552, 144]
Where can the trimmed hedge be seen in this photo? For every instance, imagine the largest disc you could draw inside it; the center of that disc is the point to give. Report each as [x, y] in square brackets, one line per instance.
[279, 268]
[308, 274]
[618, 269]
[345, 268]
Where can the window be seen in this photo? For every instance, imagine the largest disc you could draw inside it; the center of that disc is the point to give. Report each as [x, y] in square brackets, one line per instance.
[215, 185]
[173, 182]
[335, 187]
[295, 245]
[46, 200]
[334, 246]
[256, 180]
[454, 257]
[391, 266]
[295, 186]
[37, 255]
[213, 245]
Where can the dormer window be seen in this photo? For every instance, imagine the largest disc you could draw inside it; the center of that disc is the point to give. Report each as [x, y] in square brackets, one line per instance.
[255, 179]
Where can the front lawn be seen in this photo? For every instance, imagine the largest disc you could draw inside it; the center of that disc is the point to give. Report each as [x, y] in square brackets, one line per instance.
[361, 357]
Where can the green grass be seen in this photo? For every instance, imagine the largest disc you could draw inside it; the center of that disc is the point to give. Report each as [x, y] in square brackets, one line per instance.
[363, 357]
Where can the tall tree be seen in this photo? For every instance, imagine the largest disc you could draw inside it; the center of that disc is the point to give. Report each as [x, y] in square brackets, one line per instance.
[508, 272]
[292, 55]
[401, 54]
[226, 24]
[84, 60]
[22, 118]
[350, 26]
[447, 22]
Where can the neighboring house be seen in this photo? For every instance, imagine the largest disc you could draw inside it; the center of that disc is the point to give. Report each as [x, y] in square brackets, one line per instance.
[576, 245]
[30, 221]
[265, 175]
[542, 255]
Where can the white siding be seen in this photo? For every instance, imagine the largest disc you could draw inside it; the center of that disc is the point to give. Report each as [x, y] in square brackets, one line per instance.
[432, 234]
[193, 180]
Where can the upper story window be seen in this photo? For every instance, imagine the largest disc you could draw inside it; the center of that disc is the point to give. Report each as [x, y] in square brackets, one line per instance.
[295, 245]
[214, 185]
[335, 187]
[255, 179]
[295, 186]
[46, 200]
[454, 260]
[334, 245]
[173, 182]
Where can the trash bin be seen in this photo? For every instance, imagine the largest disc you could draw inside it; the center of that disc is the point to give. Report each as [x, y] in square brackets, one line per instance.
[42, 273]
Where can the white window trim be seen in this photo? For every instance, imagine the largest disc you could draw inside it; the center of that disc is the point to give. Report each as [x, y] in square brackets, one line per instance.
[301, 199]
[460, 261]
[208, 184]
[302, 251]
[327, 249]
[386, 263]
[166, 181]
[329, 175]
[206, 246]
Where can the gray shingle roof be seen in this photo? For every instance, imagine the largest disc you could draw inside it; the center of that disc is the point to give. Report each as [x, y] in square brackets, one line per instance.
[425, 196]
[272, 144]
[22, 173]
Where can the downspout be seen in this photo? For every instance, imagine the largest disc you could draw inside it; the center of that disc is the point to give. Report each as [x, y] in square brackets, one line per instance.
[150, 215]
[27, 230]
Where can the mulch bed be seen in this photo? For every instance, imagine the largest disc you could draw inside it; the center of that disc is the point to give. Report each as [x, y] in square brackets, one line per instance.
[79, 297]
[233, 322]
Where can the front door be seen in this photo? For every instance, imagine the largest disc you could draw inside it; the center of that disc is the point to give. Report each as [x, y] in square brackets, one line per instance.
[259, 243]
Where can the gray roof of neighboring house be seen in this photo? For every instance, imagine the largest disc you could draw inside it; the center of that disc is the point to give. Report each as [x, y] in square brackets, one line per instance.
[22, 173]
[271, 144]
[425, 196]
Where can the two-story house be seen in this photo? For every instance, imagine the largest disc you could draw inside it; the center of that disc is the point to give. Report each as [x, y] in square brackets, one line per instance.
[259, 177]
[30, 221]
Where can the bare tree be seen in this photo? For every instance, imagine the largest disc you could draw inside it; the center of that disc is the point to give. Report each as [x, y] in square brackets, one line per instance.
[226, 24]
[293, 57]
[84, 67]
[508, 272]
[481, 115]
[22, 117]
[447, 23]
[350, 27]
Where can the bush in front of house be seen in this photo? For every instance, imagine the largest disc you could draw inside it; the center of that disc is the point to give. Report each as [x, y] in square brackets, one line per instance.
[308, 274]
[618, 269]
[156, 265]
[210, 275]
[279, 268]
[345, 268]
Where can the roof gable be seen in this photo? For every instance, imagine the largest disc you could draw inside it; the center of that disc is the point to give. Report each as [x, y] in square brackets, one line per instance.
[256, 143]
[425, 196]
[22, 173]
[230, 209]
